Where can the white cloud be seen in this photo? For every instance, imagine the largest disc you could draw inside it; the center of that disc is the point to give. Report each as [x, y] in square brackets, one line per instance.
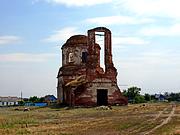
[151, 70]
[173, 30]
[163, 8]
[9, 40]
[110, 20]
[62, 35]
[34, 1]
[25, 57]
[156, 60]
[128, 41]
[77, 3]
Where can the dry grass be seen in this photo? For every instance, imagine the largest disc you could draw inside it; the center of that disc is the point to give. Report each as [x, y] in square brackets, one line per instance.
[123, 120]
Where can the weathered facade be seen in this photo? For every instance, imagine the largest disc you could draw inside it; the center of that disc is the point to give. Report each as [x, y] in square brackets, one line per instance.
[81, 79]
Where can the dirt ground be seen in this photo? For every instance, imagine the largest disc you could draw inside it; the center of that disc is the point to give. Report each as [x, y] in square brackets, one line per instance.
[140, 119]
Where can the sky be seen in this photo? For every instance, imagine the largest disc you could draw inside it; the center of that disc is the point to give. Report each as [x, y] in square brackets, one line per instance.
[145, 42]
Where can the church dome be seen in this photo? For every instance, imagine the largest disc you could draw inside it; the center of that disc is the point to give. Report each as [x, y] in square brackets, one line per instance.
[76, 40]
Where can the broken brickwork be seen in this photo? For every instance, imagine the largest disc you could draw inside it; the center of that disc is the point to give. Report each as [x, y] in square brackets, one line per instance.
[81, 79]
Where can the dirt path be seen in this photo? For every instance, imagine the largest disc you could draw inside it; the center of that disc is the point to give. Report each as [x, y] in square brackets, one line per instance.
[160, 113]
[165, 121]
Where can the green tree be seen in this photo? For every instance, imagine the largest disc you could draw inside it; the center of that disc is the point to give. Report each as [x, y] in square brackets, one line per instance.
[33, 99]
[139, 99]
[153, 98]
[41, 99]
[124, 93]
[174, 97]
[21, 102]
[131, 93]
[147, 97]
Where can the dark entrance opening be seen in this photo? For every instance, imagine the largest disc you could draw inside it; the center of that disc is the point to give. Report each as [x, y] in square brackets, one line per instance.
[102, 97]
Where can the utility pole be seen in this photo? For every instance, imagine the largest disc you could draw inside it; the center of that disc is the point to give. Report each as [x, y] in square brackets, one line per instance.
[21, 95]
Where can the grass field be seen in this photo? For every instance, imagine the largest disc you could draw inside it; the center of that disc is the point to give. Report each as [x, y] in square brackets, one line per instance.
[141, 119]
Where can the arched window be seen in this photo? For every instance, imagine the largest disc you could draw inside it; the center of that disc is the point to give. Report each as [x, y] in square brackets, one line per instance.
[84, 57]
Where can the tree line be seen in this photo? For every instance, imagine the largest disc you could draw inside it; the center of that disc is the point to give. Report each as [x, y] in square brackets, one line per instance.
[33, 99]
[133, 95]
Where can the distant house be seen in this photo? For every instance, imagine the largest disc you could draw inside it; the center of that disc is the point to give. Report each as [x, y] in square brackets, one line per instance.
[160, 97]
[9, 101]
[50, 99]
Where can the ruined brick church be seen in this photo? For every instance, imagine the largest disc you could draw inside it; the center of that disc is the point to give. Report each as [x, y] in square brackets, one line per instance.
[81, 79]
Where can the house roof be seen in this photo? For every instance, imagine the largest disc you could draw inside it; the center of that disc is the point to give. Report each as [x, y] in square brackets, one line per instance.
[9, 99]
